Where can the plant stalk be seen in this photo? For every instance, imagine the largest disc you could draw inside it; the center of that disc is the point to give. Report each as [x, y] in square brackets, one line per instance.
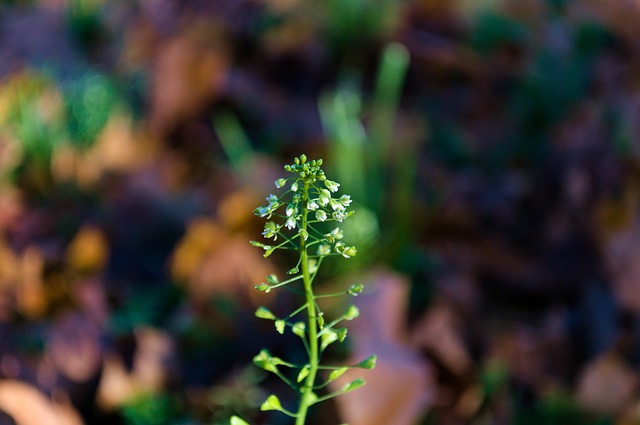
[308, 397]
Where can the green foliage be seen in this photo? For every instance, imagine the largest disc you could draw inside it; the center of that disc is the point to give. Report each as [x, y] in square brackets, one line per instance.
[295, 223]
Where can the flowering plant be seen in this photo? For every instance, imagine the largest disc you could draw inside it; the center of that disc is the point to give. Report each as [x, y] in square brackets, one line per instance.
[294, 220]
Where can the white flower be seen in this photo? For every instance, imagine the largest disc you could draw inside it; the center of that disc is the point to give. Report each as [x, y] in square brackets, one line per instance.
[324, 249]
[272, 199]
[345, 200]
[290, 223]
[291, 209]
[339, 215]
[324, 197]
[294, 186]
[321, 215]
[331, 185]
[312, 206]
[336, 205]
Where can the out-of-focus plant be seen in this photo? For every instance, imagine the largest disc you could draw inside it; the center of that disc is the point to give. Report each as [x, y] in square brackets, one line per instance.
[380, 177]
[308, 206]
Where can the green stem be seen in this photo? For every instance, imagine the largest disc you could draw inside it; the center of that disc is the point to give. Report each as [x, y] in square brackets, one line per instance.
[307, 395]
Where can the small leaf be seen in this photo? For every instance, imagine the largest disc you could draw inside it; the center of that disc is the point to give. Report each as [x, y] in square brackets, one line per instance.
[303, 373]
[264, 313]
[368, 363]
[271, 403]
[337, 373]
[280, 326]
[238, 421]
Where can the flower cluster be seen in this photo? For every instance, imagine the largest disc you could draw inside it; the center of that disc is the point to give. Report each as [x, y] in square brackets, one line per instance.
[310, 196]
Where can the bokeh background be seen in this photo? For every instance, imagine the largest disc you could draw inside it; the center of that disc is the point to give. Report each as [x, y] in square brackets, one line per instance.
[491, 149]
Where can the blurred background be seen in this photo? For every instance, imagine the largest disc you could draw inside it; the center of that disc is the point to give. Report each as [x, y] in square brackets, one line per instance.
[491, 149]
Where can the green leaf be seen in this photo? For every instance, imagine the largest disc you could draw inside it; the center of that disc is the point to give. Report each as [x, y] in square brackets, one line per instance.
[337, 373]
[238, 421]
[271, 403]
[280, 326]
[304, 372]
[265, 313]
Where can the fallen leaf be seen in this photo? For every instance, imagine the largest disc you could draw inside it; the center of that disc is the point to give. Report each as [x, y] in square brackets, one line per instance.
[606, 385]
[401, 387]
[26, 405]
[88, 251]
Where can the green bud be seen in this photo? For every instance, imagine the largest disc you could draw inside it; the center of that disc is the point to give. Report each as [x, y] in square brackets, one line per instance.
[299, 329]
[271, 403]
[352, 313]
[353, 385]
[272, 279]
[263, 287]
[304, 372]
[265, 313]
[368, 363]
[237, 421]
[341, 334]
[337, 373]
[281, 182]
[303, 158]
[355, 289]
[280, 326]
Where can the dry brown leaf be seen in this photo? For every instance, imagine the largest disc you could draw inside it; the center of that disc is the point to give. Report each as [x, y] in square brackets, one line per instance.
[154, 354]
[622, 260]
[400, 388]
[74, 347]
[28, 406]
[116, 386]
[202, 236]
[31, 295]
[88, 251]
[190, 70]
[438, 332]
[607, 385]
